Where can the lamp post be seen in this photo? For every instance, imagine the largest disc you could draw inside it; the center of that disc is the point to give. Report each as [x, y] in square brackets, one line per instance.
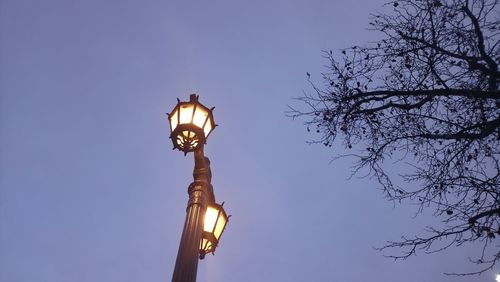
[190, 125]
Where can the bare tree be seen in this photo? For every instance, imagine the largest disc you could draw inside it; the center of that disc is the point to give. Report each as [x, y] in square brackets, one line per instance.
[427, 95]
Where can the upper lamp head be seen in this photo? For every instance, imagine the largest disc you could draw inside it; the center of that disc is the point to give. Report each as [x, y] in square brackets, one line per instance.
[190, 124]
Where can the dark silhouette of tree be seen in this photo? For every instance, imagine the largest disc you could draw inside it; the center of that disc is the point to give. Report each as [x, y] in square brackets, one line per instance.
[426, 95]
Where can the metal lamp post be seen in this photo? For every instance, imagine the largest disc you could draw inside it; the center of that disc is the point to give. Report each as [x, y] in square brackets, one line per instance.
[190, 125]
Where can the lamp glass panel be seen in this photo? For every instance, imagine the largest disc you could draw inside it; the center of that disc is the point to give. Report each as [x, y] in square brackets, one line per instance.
[188, 134]
[200, 116]
[206, 245]
[174, 120]
[208, 127]
[186, 113]
[220, 225]
[210, 219]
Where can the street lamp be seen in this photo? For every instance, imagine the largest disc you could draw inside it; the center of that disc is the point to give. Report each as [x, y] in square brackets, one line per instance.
[213, 226]
[190, 125]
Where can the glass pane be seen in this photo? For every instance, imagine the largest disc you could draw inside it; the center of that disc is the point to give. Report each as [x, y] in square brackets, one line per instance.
[186, 113]
[188, 134]
[180, 141]
[206, 245]
[210, 218]
[208, 127]
[200, 116]
[220, 226]
[174, 119]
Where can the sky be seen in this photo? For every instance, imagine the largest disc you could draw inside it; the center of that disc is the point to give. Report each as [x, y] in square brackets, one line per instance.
[91, 190]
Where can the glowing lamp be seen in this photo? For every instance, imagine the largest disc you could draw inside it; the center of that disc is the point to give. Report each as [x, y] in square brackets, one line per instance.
[214, 224]
[190, 124]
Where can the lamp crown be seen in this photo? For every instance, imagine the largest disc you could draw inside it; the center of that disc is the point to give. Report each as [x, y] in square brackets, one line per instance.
[193, 98]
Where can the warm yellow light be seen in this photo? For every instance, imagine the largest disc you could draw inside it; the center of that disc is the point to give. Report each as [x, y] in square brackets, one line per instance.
[188, 134]
[210, 219]
[208, 127]
[206, 245]
[186, 115]
[200, 116]
[174, 119]
[190, 123]
[213, 225]
[221, 222]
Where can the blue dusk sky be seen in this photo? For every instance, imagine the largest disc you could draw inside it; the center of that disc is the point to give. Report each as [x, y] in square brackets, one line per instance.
[91, 190]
